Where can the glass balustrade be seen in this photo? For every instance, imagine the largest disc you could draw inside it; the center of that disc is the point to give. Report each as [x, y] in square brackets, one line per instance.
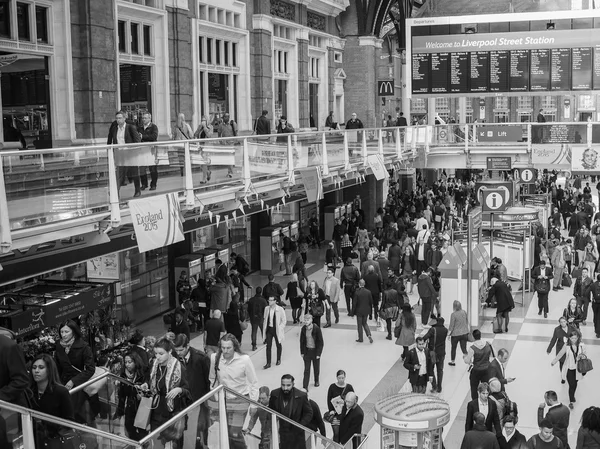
[42, 187]
[48, 186]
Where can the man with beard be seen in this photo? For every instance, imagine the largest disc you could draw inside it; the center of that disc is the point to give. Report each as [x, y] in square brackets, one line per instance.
[292, 403]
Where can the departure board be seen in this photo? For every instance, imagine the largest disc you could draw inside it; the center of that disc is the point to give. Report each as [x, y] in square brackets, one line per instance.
[459, 72]
[479, 69]
[420, 73]
[499, 71]
[514, 62]
[560, 67]
[539, 70]
[582, 68]
[439, 72]
[519, 71]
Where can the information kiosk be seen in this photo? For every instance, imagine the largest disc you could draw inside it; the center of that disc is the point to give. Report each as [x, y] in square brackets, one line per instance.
[411, 420]
[270, 247]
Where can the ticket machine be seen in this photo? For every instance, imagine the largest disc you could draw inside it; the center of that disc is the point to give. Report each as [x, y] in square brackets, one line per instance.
[290, 228]
[209, 258]
[222, 251]
[192, 265]
[270, 248]
[331, 213]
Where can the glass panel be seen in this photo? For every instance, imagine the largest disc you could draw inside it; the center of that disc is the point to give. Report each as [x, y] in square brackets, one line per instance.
[155, 169]
[218, 97]
[135, 40]
[335, 148]
[56, 186]
[201, 49]
[5, 18]
[218, 51]
[49, 434]
[147, 40]
[23, 21]
[41, 23]
[234, 54]
[389, 140]
[209, 42]
[121, 32]
[355, 145]
[14, 431]
[269, 157]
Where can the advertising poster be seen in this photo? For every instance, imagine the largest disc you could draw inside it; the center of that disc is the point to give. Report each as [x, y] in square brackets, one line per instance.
[585, 158]
[104, 267]
[376, 163]
[551, 155]
[156, 221]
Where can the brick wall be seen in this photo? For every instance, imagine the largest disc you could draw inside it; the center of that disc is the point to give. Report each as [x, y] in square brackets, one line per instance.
[303, 106]
[359, 91]
[94, 67]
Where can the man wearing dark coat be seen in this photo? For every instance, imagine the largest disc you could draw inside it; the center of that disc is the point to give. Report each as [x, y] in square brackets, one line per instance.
[483, 404]
[427, 294]
[504, 302]
[122, 133]
[292, 403]
[478, 436]
[361, 308]
[352, 420]
[263, 124]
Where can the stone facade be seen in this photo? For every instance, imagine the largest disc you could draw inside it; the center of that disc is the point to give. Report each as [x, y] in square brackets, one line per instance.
[181, 78]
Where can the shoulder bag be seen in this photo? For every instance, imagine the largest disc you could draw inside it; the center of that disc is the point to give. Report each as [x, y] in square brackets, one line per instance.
[584, 365]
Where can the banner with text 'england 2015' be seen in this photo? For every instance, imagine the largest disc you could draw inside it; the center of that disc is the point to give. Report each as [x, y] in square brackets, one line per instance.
[156, 221]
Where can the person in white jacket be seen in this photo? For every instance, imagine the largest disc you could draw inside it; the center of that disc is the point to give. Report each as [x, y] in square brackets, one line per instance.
[274, 327]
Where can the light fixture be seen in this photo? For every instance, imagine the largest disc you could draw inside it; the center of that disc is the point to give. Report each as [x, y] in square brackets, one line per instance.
[550, 25]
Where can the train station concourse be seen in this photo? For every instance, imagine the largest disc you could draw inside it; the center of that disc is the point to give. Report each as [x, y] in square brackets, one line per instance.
[403, 194]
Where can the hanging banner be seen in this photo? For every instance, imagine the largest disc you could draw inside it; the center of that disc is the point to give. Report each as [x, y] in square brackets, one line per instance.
[376, 163]
[156, 221]
[267, 157]
[311, 178]
[585, 158]
[551, 155]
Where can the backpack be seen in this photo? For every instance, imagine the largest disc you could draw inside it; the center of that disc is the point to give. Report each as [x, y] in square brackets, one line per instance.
[316, 308]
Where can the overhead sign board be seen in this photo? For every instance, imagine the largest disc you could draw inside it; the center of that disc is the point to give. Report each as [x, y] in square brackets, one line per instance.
[499, 133]
[385, 88]
[525, 175]
[499, 163]
[493, 200]
[507, 187]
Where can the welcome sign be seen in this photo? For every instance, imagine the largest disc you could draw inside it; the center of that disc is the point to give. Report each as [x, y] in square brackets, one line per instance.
[156, 221]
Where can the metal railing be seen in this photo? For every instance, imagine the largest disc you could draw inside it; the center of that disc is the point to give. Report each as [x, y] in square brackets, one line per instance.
[48, 190]
[110, 439]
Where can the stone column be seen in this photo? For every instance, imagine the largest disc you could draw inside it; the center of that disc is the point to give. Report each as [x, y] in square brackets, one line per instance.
[261, 70]
[303, 97]
[180, 60]
[95, 69]
[360, 64]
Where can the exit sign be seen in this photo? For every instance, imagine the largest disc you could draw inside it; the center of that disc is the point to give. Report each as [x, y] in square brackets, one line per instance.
[499, 133]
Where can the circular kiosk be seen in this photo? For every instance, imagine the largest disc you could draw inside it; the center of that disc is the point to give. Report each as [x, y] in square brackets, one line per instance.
[412, 420]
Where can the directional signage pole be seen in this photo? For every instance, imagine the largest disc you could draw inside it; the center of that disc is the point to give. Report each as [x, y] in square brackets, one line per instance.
[474, 224]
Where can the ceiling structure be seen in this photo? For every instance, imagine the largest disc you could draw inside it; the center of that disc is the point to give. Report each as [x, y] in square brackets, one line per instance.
[385, 18]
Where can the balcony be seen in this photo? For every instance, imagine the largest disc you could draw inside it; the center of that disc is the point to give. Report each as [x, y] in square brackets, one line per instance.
[60, 193]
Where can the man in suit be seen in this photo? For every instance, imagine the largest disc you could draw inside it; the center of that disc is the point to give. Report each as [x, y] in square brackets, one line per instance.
[364, 267]
[331, 288]
[14, 380]
[149, 133]
[582, 291]
[436, 338]
[361, 308]
[197, 367]
[497, 368]
[504, 302]
[311, 348]
[352, 420]
[487, 407]
[373, 284]
[121, 133]
[479, 437]
[541, 276]
[274, 322]
[256, 311]
[558, 414]
[427, 294]
[292, 403]
[316, 424]
[418, 364]
[263, 124]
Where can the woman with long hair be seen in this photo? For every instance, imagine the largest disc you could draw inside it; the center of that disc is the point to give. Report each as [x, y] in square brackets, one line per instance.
[75, 363]
[50, 397]
[405, 328]
[335, 401]
[458, 331]
[559, 336]
[588, 436]
[169, 388]
[408, 267]
[295, 295]
[573, 313]
[575, 350]
[134, 372]
[315, 302]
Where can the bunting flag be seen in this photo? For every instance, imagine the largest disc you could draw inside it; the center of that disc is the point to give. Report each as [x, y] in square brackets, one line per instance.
[246, 201]
[227, 221]
[234, 215]
[283, 200]
[210, 216]
[218, 217]
[201, 207]
[241, 208]
[262, 204]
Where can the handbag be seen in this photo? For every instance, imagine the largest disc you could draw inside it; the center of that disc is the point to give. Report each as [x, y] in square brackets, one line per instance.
[584, 365]
[576, 273]
[66, 438]
[142, 416]
[94, 388]
[432, 354]
[542, 286]
[243, 325]
[470, 337]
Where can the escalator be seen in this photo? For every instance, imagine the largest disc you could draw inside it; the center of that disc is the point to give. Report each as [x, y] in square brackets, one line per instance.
[218, 420]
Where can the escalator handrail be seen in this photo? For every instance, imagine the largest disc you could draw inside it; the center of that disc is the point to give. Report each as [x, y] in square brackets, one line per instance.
[93, 380]
[203, 399]
[66, 423]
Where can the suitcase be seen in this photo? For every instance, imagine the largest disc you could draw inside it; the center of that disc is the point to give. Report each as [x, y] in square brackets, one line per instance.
[566, 280]
[496, 326]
